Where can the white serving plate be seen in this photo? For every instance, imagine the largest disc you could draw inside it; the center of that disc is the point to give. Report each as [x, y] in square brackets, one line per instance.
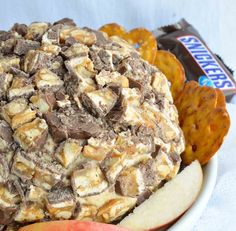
[189, 219]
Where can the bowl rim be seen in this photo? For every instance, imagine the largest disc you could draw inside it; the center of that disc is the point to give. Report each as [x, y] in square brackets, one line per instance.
[190, 217]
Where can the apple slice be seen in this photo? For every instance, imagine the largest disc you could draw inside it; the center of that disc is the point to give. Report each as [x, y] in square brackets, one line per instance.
[168, 203]
[71, 225]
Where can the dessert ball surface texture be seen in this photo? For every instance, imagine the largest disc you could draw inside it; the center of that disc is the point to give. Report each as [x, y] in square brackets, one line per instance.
[88, 129]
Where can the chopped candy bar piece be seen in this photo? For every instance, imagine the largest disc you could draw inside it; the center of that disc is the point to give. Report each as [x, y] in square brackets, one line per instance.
[160, 85]
[100, 102]
[86, 212]
[29, 212]
[21, 29]
[35, 60]
[47, 173]
[7, 62]
[130, 182]
[102, 59]
[22, 118]
[36, 194]
[98, 148]
[68, 151]
[74, 124]
[166, 169]
[82, 36]
[49, 146]
[4, 169]
[106, 77]
[60, 203]
[5, 81]
[44, 101]
[23, 46]
[51, 36]
[149, 172]
[23, 165]
[20, 87]
[9, 197]
[7, 47]
[32, 136]
[16, 106]
[76, 50]
[50, 49]
[36, 30]
[88, 181]
[47, 80]
[81, 75]
[5, 136]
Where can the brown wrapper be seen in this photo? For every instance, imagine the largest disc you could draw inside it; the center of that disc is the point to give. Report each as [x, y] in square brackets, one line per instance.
[199, 62]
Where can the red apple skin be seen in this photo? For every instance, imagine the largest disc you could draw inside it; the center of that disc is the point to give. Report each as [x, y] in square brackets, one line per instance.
[71, 225]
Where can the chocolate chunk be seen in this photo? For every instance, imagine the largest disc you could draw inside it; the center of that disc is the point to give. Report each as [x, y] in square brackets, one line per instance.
[23, 46]
[60, 95]
[58, 130]
[21, 29]
[135, 70]
[65, 21]
[101, 38]
[143, 196]
[70, 41]
[102, 59]
[18, 72]
[6, 47]
[5, 136]
[82, 125]
[72, 123]
[5, 35]
[7, 214]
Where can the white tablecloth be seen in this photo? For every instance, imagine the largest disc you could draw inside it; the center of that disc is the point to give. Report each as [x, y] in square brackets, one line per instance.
[215, 20]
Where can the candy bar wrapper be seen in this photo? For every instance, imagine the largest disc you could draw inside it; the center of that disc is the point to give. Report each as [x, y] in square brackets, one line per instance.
[199, 62]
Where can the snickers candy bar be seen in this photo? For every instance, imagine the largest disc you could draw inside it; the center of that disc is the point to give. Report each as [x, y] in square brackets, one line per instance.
[199, 62]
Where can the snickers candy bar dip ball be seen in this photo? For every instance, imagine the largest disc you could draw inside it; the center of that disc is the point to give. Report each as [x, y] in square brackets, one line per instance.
[88, 129]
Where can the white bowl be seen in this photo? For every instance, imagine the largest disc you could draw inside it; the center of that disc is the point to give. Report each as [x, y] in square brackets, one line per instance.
[189, 219]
